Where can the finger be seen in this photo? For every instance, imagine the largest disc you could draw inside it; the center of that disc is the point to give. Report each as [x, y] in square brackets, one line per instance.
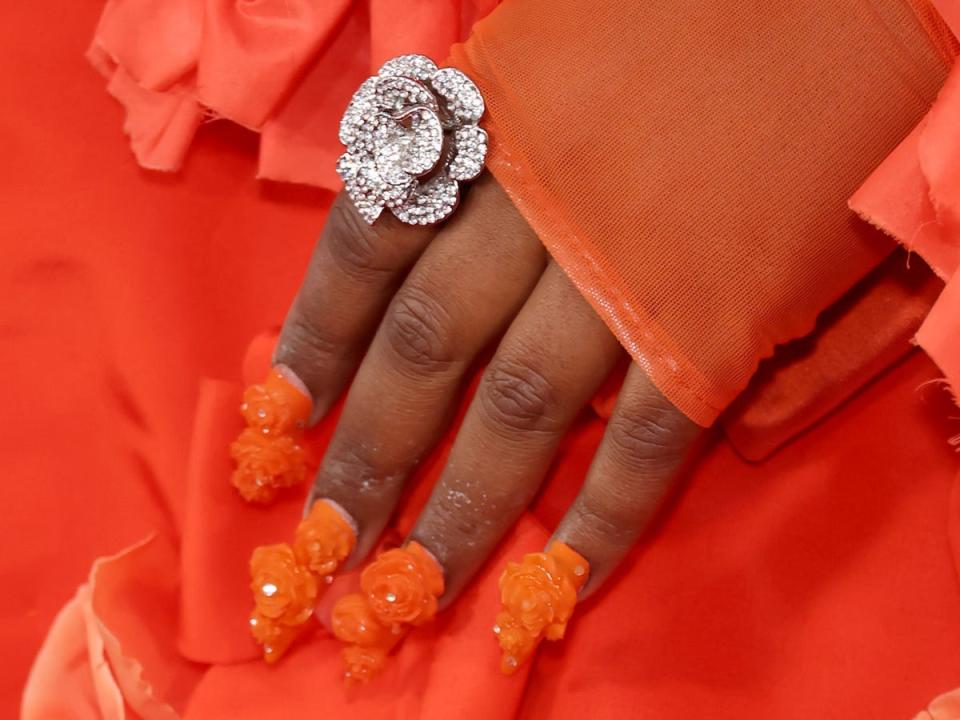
[353, 273]
[555, 355]
[646, 443]
[461, 294]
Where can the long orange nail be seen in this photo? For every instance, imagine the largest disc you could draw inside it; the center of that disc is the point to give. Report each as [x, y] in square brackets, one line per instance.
[324, 539]
[286, 581]
[538, 596]
[284, 595]
[398, 591]
[268, 454]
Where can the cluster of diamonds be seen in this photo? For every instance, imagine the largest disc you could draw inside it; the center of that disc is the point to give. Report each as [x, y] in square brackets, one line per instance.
[411, 136]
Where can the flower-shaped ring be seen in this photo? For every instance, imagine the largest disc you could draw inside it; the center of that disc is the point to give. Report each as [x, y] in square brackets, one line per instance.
[411, 135]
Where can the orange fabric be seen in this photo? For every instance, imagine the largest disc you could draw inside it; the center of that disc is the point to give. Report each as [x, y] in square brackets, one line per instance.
[937, 28]
[855, 340]
[285, 68]
[818, 583]
[693, 182]
[915, 197]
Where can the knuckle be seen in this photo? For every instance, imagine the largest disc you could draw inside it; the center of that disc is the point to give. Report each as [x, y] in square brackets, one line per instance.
[352, 472]
[416, 331]
[612, 522]
[518, 397]
[643, 441]
[353, 244]
[304, 341]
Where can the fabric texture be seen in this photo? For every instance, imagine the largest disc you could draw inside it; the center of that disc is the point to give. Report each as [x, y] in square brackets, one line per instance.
[915, 197]
[693, 183]
[821, 582]
[284, 68]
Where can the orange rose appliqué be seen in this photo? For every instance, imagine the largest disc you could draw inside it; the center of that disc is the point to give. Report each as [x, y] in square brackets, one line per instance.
[362, 664]
[538, 596]
[283, 590]
[352, 621]
[324, 539]
[276, 406]
[402, 586]
[268, 454]
[284, 594]
[399, 590]
[286, 581]
[265, 464]
[272, 636]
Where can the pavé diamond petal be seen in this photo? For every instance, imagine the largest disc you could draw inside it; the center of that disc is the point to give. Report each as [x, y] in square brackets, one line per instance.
[396, 94]
[430, 202]
[425, 140]
[464, 101]
[362, 104]
[361, 186]
[470, 150]
[411, 134]
[411, 66]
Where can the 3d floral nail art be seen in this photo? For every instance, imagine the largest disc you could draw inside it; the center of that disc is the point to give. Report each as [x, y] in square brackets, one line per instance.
[268, 454]
[538, 596]
[398, 591]
[284, 595]
[286, 581]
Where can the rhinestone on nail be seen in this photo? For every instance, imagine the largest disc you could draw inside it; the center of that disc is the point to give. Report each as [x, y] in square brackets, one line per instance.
[412, 137]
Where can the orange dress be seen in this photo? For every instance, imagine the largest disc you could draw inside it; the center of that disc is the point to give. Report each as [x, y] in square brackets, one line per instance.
[820, 582]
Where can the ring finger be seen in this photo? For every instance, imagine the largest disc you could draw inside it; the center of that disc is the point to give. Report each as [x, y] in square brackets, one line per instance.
[551, 362]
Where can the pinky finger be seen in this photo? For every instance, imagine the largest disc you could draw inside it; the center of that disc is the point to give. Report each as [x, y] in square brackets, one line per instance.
[646, 445]
[644, 449]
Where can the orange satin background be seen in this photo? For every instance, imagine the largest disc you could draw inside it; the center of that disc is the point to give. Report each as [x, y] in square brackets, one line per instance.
[820, 583]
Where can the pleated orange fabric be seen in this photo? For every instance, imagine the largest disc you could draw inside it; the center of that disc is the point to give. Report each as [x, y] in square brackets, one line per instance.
[283, 68]
[689, 165]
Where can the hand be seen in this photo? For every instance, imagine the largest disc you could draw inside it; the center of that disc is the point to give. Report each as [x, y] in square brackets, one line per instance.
[413, 307]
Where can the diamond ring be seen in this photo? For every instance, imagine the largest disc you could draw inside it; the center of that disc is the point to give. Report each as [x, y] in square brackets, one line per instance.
[412, 137]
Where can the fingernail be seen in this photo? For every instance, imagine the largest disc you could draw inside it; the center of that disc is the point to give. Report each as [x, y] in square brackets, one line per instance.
[268, 454]
[538, 596]
[291, 378]
[325, 538]
[398, 591]
[286, 580]
[284, 595]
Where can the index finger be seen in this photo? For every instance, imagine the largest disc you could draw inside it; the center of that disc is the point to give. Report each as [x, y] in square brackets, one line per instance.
[355, 269]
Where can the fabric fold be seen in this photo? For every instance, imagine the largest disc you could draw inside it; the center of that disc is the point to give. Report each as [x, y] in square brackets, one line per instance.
[109, 654]
[699, 202]
[914, 196]
[283, 68]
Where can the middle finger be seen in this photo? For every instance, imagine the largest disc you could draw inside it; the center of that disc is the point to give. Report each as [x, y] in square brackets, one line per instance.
[466, 288]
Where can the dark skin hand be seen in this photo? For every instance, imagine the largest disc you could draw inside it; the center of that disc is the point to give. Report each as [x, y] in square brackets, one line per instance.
[409, 309]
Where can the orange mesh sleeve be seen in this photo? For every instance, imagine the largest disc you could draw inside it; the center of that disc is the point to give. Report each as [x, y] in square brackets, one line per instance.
[688, 163]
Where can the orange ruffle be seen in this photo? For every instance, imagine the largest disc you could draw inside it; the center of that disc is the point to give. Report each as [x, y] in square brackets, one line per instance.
[283, 68]
[107, 655]
[915, 197]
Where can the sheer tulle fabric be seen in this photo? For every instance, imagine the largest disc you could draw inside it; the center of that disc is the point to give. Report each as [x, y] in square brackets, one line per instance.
[690, 168]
